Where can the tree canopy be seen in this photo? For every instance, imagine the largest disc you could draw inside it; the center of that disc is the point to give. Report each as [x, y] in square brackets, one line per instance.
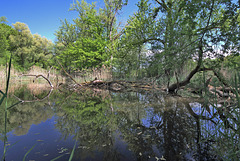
[158, 41]
[27, 49]
[181, 30]
[5, 32]
[90, 41]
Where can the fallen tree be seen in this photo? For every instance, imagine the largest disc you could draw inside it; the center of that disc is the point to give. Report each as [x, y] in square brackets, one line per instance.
[118, 85]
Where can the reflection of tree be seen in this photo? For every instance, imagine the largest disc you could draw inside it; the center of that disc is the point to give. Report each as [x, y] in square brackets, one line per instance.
[160, 127]
[89, 117]
[167, 132]
[23, 115]
[24, 95]
[151, 125]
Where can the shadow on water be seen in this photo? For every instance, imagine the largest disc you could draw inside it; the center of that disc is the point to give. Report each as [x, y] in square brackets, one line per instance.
[109, 126]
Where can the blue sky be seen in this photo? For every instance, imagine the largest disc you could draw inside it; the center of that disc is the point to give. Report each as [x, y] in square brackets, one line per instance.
[43, 16]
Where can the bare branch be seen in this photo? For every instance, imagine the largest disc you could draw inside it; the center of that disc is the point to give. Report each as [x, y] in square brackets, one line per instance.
[37, 76]
[68, 74]
[163, 4]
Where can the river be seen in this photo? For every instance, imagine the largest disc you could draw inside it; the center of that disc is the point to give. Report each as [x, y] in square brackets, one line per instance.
[102, 125]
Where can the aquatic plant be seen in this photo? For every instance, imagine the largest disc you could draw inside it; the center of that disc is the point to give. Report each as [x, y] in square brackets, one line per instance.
[6, 108]
[4, 96]
[224, 136]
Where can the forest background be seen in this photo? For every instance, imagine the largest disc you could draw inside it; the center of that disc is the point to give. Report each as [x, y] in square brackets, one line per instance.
[171, 43]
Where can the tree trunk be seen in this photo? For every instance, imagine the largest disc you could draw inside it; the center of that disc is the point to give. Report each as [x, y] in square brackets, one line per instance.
[173, 88]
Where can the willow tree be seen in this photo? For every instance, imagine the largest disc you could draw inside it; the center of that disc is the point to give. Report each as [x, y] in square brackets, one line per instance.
[191, 29]
[22, 43]
[5, 47]
[29, 49]
[131, 56]
[42, 50]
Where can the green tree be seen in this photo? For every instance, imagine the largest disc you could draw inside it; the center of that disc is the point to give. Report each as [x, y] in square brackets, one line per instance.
[30, 49]
[91, 40]
[186, 30]
[130, 56]
[22, 43]
[5, 48]
[113, 31]
[89, 49]
[42, 50]
[3, 19]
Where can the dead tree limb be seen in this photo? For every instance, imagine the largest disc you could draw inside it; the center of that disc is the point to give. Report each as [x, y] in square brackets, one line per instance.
[37, 76]
[68, 74]
[48, 75]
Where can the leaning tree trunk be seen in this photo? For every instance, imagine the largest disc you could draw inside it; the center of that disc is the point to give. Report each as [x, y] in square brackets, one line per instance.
[173, 88]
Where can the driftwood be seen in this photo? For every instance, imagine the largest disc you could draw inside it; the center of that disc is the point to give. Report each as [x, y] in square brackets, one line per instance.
[37, 76]
[223, 92]
[219, 92]
[118, 85]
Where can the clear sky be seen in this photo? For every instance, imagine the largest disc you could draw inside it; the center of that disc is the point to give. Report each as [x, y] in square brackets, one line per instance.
[43, 16]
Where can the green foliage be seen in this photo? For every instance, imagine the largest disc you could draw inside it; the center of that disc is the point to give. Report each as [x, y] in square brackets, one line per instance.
[178, 31]
[89, 49]
[66, 33]
[42, 50]
[232, 62]
[84, 42]
[22, 43]
[5, 48]
[87, 52]
[3, 19]
[131, 58]
[91, 40]
[29, 49]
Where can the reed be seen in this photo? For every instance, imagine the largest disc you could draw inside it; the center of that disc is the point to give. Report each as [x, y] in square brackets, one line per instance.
[5, 109]
[72, 153]
[24, 158]
[225, 135]
[102, 73]
[4, 96]
[18, 78]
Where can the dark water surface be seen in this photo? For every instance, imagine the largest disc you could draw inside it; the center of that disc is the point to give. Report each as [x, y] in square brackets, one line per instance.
[105, 126]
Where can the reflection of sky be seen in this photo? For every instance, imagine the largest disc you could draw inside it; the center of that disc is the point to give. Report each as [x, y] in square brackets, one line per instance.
[208, 127]
[200, 110]
[46, 139]
[151, 118]
[50, 144]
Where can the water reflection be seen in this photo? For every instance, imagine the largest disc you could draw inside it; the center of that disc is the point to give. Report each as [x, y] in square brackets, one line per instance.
[107, 126]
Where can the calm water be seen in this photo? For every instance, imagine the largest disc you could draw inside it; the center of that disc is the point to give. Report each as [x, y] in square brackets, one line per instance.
[105, 126]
